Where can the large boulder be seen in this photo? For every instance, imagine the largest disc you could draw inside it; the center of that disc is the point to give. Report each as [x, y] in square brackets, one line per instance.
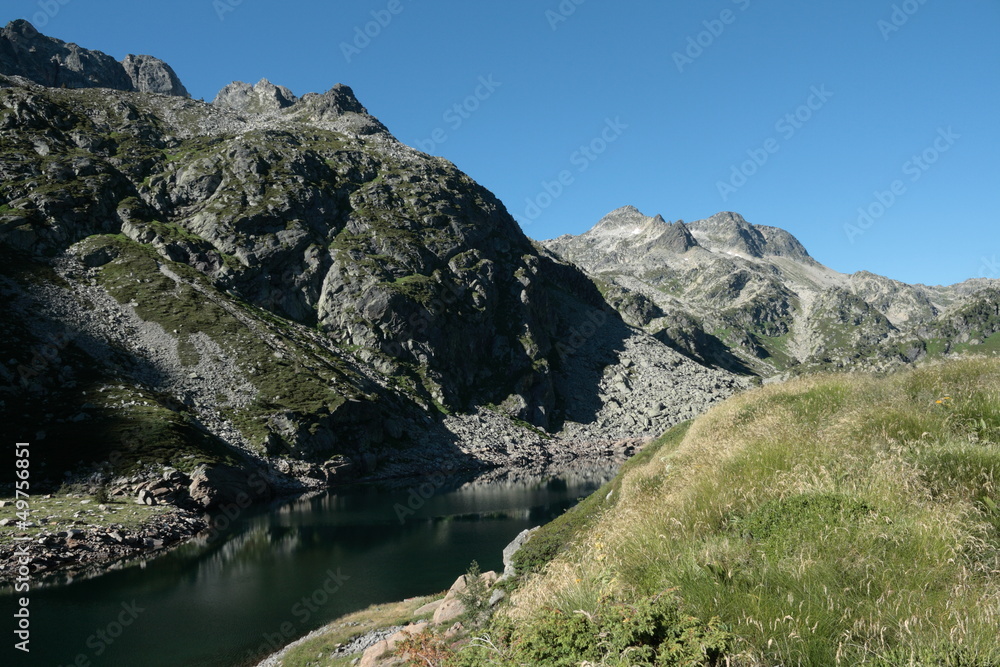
[381, 652]
[452, 607]
[212, 487]
[512, 548]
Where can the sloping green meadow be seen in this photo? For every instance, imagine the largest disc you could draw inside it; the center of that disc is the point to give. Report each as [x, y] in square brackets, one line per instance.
[835, 519]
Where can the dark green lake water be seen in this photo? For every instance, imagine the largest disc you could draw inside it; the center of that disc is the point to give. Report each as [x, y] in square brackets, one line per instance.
[281, 572]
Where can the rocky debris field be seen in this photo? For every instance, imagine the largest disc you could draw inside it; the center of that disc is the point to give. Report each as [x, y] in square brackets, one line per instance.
[73, 535]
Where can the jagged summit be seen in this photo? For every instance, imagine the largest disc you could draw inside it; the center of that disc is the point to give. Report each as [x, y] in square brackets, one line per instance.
[730, 232]
[726, 232]
[627, 229]
[52, 62]
[339, 105]
[152, 75]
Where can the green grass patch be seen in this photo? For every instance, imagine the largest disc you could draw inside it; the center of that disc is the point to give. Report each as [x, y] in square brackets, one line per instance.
[302, 379]
[56, 511]
[557, 535]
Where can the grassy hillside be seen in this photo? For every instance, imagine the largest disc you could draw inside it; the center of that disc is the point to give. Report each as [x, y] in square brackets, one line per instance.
[838, 519]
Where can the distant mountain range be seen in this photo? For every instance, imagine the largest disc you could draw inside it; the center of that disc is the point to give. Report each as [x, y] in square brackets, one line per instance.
[274, 283]
[751, 299]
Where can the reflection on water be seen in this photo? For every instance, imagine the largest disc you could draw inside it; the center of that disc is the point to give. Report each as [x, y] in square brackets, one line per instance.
[280, 572]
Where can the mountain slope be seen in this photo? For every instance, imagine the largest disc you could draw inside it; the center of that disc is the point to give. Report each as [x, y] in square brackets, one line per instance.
[280, 274]
[833, 518]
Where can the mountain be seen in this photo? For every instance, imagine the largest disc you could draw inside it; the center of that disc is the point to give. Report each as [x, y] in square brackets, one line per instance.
[274, 284]
[27, 53]
[750, 298]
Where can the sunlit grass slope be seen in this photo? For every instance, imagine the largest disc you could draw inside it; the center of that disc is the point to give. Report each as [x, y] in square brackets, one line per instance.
[836, 519]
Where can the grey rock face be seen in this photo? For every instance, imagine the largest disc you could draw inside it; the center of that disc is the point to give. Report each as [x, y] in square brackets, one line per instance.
[512, 548]
[730, 232]
[51, 62]
[263, 97]
[152, 75]
[342, 109]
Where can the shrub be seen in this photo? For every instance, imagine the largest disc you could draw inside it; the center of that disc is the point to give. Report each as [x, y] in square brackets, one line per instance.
[649, 632]
[476, 597]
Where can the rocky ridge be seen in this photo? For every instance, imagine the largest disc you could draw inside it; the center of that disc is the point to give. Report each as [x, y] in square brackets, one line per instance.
[27, 53]
[750, 298]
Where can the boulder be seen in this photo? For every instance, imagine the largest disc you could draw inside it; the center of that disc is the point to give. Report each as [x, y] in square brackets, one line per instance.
[448, 611]
[512, 548]
[263, 97]
[381, 652]
[451, 607]
[222, 484]
[428, 608]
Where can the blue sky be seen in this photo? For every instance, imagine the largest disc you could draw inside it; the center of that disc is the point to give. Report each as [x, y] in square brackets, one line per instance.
[867, 128]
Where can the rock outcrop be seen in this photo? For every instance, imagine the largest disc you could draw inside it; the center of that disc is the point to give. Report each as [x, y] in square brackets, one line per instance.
[152, 75]
[263, 97]
[27, 53]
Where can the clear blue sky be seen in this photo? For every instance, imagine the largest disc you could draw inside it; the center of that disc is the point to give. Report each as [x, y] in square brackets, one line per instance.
[886, 95]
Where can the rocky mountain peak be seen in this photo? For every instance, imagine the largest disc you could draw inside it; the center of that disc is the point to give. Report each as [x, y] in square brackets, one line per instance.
[20, 27]
[625, 221]
[152, 75]
[340, 107]
[622, 236]
[51, 62]
[629, 225]
[262, 97]
[729, 232]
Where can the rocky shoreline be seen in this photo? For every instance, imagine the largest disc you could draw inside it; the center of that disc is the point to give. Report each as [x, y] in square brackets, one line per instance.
[88, 538]
[71, 550]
